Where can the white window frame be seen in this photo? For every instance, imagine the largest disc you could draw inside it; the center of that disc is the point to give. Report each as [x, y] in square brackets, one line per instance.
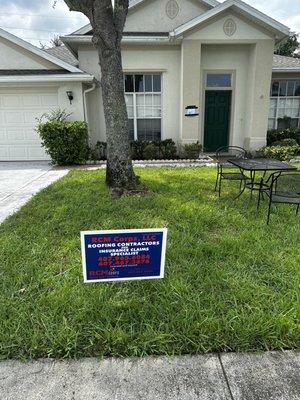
[277, 108]
[216, 72]
[134, 96]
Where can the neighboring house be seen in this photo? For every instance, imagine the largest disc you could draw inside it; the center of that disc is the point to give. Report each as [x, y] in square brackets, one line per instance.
[176, 54]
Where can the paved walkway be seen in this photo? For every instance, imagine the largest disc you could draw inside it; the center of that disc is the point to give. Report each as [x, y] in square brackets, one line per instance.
[266, 376]
[20, 181]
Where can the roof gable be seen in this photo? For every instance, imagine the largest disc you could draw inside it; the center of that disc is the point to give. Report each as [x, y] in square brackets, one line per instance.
[45, 58]
[278, 29]
[215, 28]
[209, 3]
[133, 7]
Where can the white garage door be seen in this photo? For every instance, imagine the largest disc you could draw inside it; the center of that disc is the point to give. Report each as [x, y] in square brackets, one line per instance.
[19, 109]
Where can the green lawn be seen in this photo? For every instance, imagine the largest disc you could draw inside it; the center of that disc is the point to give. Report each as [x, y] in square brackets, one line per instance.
[232, 283]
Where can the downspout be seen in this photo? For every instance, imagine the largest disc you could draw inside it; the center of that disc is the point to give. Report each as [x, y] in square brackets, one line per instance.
[86, 117]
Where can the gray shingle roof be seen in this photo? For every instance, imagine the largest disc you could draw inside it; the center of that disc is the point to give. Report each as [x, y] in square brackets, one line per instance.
[282, 62]
[64, 54]
[279, 62]
[23, 72]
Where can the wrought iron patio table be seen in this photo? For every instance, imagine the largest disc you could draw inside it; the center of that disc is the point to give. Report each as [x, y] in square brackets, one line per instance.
[255, 165]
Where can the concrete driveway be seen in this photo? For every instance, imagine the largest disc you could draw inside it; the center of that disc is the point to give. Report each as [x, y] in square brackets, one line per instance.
[20, 181]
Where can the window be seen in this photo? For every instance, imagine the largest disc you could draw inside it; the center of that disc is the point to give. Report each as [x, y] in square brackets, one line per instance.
[143, 100]
[218, 80]
[284, 104]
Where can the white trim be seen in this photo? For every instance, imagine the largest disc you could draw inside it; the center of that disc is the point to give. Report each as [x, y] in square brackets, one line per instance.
[77, 38]
[125, 39]
[147, 40]
[35, 50]
[286, 69]
[240, 6]
[46, 78]
[133, 3]
[122, 231]
[82, 31]
[210, 3]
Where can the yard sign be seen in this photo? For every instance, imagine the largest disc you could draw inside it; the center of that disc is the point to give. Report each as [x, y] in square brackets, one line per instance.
[124, 255]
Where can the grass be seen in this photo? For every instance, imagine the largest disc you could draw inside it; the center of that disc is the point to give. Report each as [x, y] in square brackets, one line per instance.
[232, 283]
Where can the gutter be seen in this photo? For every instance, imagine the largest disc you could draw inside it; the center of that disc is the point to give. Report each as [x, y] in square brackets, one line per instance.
[78, 39]
[296, 70]
[85, 110]
[47, 78]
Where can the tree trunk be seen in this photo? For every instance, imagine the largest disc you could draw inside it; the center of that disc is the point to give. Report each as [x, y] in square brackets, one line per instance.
[119, 173]
[108, 24]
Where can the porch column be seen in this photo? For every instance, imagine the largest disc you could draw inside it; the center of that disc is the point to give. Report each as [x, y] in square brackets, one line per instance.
[259, 95]
[190, 88]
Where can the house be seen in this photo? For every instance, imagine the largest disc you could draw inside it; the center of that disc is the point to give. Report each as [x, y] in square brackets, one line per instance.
[194, 70]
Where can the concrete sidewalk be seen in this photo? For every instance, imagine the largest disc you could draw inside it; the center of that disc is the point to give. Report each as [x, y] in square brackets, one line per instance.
[266, 376]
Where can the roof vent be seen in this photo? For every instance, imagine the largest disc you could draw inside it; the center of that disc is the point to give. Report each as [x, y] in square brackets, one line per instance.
[172, 9]
[229, 27]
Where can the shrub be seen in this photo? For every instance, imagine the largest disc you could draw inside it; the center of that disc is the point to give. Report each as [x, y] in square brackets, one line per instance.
[65, 141]
[276, 136]
[286, 142]
[151, 152]
[99, 152]
[168, 149]
[137, 149]
[192, 151]
[159, 149]
[284, 153]
[55, 115]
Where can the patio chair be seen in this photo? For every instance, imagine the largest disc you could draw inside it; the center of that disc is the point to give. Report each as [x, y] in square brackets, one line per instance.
[284, 188]
[222, 155]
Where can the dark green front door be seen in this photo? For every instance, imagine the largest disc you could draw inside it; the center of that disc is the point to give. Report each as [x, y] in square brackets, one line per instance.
[217, 118]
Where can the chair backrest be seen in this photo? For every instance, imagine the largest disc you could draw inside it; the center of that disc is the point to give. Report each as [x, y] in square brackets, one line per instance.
[230, 152]
[287, 184]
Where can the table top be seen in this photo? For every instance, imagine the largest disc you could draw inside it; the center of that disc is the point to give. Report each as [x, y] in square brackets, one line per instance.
[262, 164]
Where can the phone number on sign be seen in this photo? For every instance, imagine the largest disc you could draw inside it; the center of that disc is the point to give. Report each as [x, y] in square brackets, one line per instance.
[124, 260]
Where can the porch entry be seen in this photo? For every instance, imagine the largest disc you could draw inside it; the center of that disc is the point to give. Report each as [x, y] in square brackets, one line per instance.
[217, 119]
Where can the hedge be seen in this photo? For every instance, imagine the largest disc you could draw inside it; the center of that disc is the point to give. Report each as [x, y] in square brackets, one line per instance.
[152, 150]
[280, 152]
[276, 136]
[66, 142]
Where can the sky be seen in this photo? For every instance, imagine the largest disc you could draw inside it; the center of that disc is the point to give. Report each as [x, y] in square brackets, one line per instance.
[37, 21]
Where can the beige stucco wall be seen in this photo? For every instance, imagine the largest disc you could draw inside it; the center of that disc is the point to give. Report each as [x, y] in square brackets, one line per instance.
[77, 107]
[285, 75]
[190, 78]
[259, 94]
[16, 57]
[248, 54]
[151, 16]
[234, 59]
[164, 59]
[214, 30]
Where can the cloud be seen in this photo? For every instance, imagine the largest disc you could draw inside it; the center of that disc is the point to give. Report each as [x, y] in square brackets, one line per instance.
[37, 21]
[293, 22]
[22, 4]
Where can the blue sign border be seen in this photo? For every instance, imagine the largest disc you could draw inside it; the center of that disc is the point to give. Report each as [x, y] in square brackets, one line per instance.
[83, 235]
